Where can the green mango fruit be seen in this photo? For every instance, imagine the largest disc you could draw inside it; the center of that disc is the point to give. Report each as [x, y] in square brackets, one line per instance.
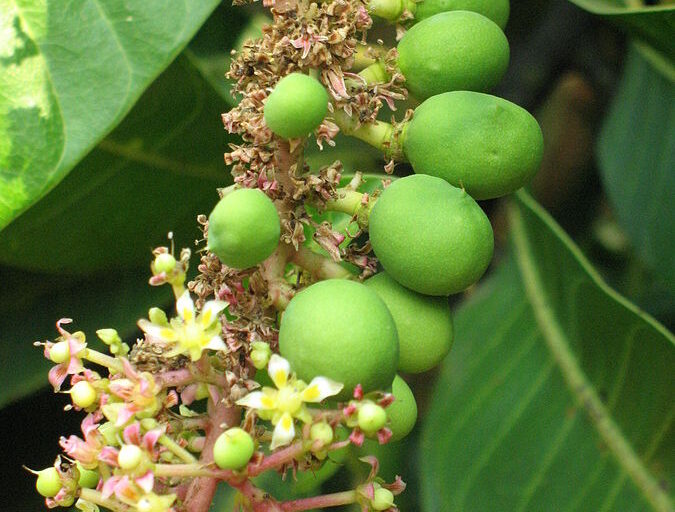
[430, 236]
[456, 50]
[496, 10]
[423, 323]
[296, 106]
[244, 228]
[342, 330]
[402, 412]
[484, 144]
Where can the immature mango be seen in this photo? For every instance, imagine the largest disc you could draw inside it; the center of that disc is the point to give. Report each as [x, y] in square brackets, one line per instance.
[296, 106]
[482, 143]
[430, 236]
[402, 413]
[496, 10]
[456, 50]
[342, 330]
[423, 323]
[244, 228]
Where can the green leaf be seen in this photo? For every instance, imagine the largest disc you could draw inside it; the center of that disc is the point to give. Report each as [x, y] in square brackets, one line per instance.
[654, 23]
[636, 154]
[558, 394]
[69, 72]
[32, 303]
[154, 174]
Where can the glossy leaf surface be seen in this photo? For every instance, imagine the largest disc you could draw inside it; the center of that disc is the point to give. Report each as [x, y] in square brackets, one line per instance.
[558, 392]
[69, 73]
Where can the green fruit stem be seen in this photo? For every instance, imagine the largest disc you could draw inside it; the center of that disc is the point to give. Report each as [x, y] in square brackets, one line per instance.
[96, 357]
[379, 134]
[391, 10]
[176, 449]
[352, 203]
[272, 270]
[375, 73]
[97, 498]
[320, 266]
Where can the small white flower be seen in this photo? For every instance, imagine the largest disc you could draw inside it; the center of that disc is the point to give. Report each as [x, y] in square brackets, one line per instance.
[190, 333]
[287, 403]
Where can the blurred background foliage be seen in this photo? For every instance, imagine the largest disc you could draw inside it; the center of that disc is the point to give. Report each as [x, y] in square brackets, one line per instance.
[109, 143]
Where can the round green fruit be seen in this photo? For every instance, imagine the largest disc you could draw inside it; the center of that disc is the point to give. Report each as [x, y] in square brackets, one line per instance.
[482, 143]
[451, 51]
[402, 412]
[383, 499]
[48, 482]
[88, 478]
[233, 449]
[244, 228]
[423, 323]
[296, 106]
[496, 10]
[342, 330]
[371, 417]
[429, 236]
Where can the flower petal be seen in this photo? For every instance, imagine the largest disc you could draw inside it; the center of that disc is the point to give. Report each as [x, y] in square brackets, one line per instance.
[320, 388]
[284, 432]
[185, 307]
[210, 312]
[216, 343]
[252, 400]
[279, 370]
[160, 332]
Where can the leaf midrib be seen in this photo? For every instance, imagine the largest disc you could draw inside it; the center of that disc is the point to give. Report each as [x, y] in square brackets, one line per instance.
[577, 382]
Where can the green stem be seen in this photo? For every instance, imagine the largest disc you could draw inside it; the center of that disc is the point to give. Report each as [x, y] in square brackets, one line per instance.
[97, 357]
[347, 201]
[182, 470]
[320, 266]
[97, 498]
[176, 449]
[377, 133]
[390, 10]
[375, 73]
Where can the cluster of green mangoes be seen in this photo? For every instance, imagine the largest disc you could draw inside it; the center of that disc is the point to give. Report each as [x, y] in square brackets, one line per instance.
[430, 236]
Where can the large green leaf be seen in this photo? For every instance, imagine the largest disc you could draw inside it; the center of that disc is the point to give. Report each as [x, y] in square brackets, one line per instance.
[558, 394]
[33, 303]
[637, 156]
[654, 23]
[69, 72]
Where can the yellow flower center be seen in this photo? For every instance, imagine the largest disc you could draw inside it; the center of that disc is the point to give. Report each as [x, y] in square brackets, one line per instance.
[289, 400]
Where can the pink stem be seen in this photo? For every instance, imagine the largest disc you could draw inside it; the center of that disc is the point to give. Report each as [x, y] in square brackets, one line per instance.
[325, 501]
[200, 493]
[277, 459]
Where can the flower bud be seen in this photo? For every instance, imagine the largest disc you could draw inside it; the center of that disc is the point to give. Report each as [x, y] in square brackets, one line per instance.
[321, 432]
[157, 316]
[260, 354]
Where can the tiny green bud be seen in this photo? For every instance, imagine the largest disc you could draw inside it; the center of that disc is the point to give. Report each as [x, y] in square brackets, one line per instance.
[149, 423]
[157, 316]
[321, 432]
[59, 352]
[83, 394]
[109, 336]
[382, 500]
[48, 482]
[233, 449]
[260, 354]
[164, 262]
[109, 432]
[130, 456]
[88, 478]
[371, 417]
